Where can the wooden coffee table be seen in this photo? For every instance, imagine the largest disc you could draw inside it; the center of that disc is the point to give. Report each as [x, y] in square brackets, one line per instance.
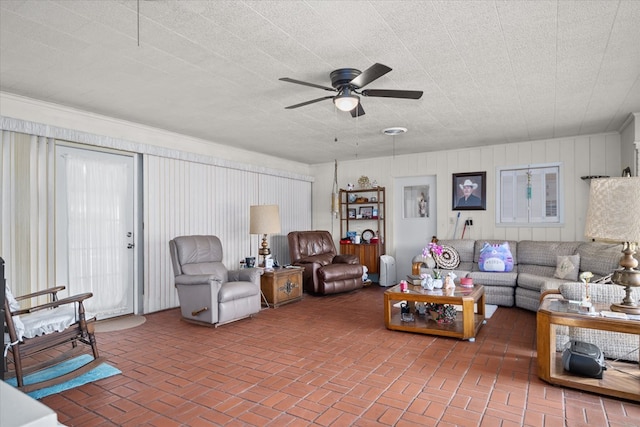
[465, 326]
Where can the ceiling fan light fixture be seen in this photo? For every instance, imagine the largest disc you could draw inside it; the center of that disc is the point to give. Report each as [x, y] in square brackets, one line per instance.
[345, 101]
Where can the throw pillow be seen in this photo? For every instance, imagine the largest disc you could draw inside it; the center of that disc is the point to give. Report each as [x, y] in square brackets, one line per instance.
[495, 258]
[567, 267]
[449, 259]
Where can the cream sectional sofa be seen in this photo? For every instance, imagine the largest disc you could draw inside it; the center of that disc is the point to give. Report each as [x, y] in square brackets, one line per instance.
[533, 274]
[535, 264]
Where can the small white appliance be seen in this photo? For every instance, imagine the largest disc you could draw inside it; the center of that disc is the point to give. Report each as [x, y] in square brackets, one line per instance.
[387, 270]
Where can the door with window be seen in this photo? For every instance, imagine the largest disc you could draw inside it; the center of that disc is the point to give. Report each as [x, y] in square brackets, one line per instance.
[94, 228]
[415, 221]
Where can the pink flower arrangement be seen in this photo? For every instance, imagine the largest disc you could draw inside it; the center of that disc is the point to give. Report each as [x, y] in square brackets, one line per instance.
[431, 250]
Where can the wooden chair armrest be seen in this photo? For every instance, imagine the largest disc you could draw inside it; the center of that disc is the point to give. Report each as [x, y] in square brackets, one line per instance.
[550, 292]
[48, 291]
[53, 304]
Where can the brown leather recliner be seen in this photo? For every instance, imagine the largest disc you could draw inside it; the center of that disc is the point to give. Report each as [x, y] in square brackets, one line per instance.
[325, 272]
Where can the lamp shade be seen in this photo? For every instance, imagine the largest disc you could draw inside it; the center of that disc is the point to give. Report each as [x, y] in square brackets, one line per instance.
[264, 219]
[614, 210]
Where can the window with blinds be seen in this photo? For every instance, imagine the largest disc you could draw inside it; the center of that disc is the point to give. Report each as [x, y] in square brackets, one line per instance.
[529, 195]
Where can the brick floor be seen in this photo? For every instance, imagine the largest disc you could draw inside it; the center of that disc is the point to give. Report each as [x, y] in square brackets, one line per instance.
[328, 361]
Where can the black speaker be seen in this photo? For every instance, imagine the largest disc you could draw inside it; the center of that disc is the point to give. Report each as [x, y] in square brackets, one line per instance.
[584, 359]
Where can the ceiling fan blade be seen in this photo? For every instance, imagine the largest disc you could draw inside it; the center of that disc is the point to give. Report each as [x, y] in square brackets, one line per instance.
[370, 74]
[358, 111]
[389, 93]
[313, 101]
[300, 82]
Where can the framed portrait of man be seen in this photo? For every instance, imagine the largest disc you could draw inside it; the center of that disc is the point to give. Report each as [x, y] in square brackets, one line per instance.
[469, 191]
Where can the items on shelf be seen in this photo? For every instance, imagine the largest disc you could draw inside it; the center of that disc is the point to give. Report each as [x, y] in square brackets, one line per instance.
[362, 224]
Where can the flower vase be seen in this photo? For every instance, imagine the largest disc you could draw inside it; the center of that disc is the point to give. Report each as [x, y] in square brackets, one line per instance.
[437, 283]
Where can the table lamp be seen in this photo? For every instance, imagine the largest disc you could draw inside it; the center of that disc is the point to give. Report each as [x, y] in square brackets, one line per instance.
[614, 215]
[264, 219]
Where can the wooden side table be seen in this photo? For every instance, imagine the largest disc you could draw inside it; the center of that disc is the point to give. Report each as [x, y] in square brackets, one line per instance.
[623, 383]
[281, 286]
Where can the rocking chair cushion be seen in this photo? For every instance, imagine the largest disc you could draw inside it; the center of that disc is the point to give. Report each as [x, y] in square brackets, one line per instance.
[14, 305]
[41, 322]
[48, 321]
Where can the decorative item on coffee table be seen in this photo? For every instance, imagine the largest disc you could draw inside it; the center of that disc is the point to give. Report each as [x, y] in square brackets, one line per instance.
[442, 313]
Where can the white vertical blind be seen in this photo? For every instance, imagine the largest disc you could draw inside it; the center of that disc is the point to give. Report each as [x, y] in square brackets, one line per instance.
[188, 198]
[26, 234]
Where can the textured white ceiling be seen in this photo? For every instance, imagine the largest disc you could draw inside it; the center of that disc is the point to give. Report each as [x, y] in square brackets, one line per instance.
[492, 71]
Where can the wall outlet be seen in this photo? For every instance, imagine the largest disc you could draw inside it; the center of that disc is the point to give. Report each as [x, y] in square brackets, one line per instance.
[468, 222]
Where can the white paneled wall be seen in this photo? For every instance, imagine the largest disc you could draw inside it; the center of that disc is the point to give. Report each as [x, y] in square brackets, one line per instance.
[598, 154]
[206, 188]
[294, 198]
[184, 198]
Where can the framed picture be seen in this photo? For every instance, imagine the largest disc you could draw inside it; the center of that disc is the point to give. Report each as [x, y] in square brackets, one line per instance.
[352, 213]
[469, 191]
[375, 213]
[366, 211]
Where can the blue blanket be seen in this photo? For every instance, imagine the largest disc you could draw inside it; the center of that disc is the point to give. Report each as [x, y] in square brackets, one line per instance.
[103, 370]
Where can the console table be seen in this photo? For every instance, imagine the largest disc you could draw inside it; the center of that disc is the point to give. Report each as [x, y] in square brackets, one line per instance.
[553, 312]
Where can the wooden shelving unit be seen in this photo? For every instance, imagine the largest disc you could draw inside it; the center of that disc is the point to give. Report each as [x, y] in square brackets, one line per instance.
[372, 200]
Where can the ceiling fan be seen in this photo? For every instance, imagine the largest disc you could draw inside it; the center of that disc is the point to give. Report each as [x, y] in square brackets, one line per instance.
[348, 82]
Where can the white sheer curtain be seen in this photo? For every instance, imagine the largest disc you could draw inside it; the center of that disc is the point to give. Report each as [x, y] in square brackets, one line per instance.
[26, 214]
[96, 192]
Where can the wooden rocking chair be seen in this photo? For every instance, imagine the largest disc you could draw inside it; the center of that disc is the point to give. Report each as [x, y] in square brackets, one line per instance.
[43, 327]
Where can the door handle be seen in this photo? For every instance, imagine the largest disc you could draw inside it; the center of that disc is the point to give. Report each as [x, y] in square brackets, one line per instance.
[130, 246]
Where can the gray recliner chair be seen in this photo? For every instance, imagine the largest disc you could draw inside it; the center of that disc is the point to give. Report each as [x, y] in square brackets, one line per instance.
[208, 292]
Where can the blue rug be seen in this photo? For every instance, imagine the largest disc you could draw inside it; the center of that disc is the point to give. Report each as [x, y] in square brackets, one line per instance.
[103, 370]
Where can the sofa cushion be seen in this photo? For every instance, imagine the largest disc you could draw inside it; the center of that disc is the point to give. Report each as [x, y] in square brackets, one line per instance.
[544, 253]
[599, 258]
[568, 267]
[538, 283]
[491, 278]
[449, 259]
[495, 258]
